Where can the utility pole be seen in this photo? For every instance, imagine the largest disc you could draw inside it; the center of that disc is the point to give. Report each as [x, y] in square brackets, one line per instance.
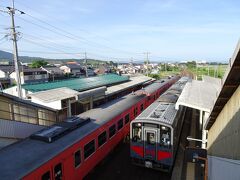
[86, 63]
[208, 69]
[11, 12]
[147, 53]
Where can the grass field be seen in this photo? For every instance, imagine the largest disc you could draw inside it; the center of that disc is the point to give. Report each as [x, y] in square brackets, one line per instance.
[211, 70]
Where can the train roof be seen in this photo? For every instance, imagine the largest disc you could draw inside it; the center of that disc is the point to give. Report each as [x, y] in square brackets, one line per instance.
[163, 109]
[25, 156]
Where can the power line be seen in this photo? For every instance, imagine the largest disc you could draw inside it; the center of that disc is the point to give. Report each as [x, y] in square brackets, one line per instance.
[71, 35]
[51, 47]
[83, 30]
[47, 40]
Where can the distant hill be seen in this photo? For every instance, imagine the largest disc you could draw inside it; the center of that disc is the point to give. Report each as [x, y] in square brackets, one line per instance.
[6, 56]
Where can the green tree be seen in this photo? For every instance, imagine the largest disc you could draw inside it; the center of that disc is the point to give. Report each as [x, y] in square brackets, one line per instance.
[191, 64]
[38, 64]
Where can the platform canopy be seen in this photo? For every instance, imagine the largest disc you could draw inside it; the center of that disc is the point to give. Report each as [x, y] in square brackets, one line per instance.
[200, 95]
[53, 95]
[134, 81]
[78, 84]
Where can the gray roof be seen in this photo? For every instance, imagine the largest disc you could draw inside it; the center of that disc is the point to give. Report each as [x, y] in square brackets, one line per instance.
[199, 94]
[52, 69]
[54, 94]
[160, 112]
[134, 81]
[33, 153]
[7, 68]
[73, 66]
[163, 109]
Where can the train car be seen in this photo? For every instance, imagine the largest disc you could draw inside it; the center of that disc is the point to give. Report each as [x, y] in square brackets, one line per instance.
[71, 149]
[154, 134]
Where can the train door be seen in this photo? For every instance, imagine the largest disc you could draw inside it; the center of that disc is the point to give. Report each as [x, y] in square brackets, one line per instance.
[150, 145]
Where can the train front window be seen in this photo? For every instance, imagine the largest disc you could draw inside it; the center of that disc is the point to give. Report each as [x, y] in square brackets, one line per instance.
[165, 136]
[137, 132]
[150, 138]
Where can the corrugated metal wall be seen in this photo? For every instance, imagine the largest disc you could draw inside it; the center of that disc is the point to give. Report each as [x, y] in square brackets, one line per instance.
[15, 129]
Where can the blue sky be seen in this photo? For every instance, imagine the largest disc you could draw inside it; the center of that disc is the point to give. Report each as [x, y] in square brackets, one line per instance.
[171, 30]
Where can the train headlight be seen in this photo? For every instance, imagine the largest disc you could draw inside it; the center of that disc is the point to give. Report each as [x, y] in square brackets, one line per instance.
[163, 128]
[139, 124]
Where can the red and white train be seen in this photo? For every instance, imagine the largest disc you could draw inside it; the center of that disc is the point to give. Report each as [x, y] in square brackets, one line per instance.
[71, 149]
[154, 134]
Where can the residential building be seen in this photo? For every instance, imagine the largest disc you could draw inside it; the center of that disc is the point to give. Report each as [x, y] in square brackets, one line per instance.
[73, 69]
[54, 72]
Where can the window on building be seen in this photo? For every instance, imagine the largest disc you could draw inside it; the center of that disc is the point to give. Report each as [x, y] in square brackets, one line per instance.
[102, 138]
[127, 118]
[77, 158]
[120, 124]
[89, 149]
[58, 172]
[112, 130]
[46, 176]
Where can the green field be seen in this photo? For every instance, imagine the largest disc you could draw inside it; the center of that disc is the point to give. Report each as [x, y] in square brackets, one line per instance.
[209, 70]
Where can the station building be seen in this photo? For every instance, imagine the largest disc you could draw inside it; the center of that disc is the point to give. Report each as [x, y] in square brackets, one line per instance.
[218, 104]
[48, 103]
[223, 125]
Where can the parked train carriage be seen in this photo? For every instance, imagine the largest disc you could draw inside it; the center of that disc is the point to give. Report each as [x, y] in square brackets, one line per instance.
[71, 149]
[155, 132]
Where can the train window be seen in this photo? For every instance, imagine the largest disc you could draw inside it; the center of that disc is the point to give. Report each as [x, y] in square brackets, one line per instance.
[89, 149]
[77, 158]
[120, 124]
[154, 97]
[165, 136]
[102, 138]
[135, 111]
[142, 107]
[58, 172]
[137, 132]
[127, 118]
[149, 98]
[46, 176]
[112, 130]
[150, 138]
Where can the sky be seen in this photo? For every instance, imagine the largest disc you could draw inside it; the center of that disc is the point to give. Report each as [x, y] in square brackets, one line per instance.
[118, 30]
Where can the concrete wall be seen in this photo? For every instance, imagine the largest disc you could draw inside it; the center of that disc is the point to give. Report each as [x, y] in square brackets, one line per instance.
[224, 135]
[3, 74]
[13, 91]
[223, 169]
[54, 104]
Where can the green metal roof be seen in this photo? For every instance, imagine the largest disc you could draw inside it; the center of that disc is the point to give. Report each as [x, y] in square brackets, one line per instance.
[78, 84]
